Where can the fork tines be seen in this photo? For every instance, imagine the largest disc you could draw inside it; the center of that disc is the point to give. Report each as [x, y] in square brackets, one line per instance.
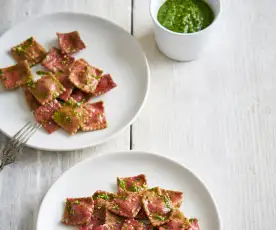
[16, 143]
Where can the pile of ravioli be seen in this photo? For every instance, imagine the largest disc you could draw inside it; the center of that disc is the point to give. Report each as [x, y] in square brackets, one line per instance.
[134, 207]
[59, 98]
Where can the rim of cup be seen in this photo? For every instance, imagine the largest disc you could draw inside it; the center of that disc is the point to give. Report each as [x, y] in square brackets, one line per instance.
[154, 18]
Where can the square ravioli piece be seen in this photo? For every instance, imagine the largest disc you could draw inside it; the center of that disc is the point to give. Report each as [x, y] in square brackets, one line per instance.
[78, 211]
[84, 76]
[64, 80]
[44, 115]
[56, 61]
[175, 197]
[46, 88]
[132, 184]
[17, 75]
[95, 119]
[105, 84]
[157, 206]
[70, 42]
[70, 116]
[101, 198]
[177, 222]
[127, 204]
[29, 50]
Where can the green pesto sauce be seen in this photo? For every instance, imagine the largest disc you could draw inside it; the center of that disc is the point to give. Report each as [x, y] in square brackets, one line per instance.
[185, 16]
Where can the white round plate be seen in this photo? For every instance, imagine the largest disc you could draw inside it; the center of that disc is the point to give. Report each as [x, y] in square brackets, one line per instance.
[109, 47]
[99, 173]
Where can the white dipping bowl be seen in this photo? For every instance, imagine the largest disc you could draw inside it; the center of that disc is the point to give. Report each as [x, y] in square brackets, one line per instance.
[182, 46]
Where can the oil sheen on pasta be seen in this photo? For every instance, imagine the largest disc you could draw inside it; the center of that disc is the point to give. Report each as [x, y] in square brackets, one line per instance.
[185, 16]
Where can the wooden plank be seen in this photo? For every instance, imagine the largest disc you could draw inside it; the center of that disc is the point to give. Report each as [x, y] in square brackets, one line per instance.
[217, 115]
[24, 183]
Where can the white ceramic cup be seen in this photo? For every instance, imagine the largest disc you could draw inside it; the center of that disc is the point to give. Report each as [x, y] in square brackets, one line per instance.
[181, 46]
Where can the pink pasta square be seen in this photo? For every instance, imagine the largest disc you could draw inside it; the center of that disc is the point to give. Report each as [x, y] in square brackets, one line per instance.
[157, 206]
[105, 84]
[78, 211]
[127, 205]
[95, 119]
[70, 42]
[84, 76]
[16, 75]
[70, 116]
[44, 114]
[132, 184]
[29, 50]
[56, 61]
[46, 88]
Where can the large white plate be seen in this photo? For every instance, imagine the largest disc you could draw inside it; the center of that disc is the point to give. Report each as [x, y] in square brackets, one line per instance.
[108, 47]
[101, 172]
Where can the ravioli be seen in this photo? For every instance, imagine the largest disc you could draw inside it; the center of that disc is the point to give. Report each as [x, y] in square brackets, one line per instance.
[95, 119]
[157, 206]
[84, 76]
[46, 89]
[56, 61]
[127, 205]
[29, 50]
[70, 116]
[70, 42]
[78, 211]
[15, 76]
[132, 184]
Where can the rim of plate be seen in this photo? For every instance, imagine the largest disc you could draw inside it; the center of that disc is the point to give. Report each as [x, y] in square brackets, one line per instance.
[84, 146]
[152, 154]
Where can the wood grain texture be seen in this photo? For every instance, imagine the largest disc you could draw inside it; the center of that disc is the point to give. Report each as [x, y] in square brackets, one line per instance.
[217, 115]
[24, 183]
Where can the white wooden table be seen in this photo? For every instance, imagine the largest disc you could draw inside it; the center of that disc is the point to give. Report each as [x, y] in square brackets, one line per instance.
[216, 115]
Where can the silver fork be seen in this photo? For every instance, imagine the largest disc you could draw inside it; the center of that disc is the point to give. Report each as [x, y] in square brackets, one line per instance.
[11, 149]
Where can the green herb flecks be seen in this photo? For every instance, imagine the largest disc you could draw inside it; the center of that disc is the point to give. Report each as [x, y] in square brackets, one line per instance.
[76, 202]
[122, 183]
[135, 188]
[167, 202]
[158, 217]
[40, 72]
[21, 49]
[70, 209]
[116, 207]
[31, 84]
[1, 72]
[103, 196]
